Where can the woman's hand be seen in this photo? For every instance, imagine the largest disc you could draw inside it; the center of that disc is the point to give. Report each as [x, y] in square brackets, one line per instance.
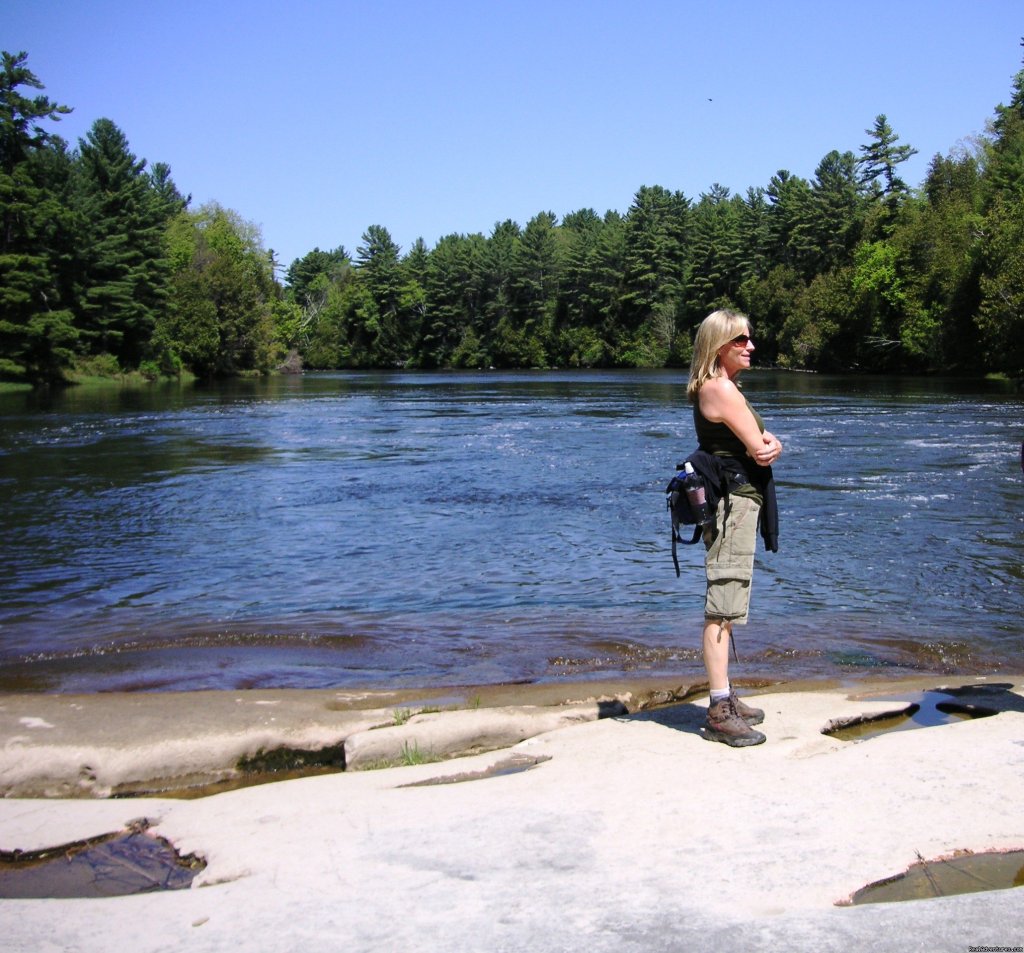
[770, 452]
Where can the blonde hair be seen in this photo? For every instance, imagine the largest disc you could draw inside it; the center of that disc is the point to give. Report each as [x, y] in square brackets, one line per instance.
[716, 329]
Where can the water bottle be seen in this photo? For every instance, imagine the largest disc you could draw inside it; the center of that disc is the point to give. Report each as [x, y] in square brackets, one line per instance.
[694, 487]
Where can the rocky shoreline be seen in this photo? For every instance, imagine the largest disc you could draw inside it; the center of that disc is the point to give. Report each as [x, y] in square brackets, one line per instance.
[192, 743]
[132, 744]
[574, 818]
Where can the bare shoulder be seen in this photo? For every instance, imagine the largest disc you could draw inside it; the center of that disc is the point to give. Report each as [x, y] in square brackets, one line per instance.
[719, 386]
[717, 396]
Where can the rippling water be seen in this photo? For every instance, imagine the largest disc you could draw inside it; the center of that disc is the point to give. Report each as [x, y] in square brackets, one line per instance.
[446, 529]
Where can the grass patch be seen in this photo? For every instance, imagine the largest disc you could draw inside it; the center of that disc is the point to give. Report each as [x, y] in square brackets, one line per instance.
[103, 370]
[401, 716]
[411, 755]
[127, 379]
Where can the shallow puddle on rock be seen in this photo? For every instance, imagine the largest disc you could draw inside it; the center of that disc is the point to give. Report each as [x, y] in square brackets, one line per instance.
[209, 788]
[915, 710]
[966, 873]
[513, 764]
[114, 865]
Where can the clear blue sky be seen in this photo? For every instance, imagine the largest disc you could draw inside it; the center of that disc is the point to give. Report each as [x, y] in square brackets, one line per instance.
[315, 119]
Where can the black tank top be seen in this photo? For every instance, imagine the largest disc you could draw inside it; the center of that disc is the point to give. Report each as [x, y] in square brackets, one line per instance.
[718, 438]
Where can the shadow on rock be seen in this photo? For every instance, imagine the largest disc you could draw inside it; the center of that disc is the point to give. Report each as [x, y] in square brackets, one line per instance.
[685, 716]
[996, 697]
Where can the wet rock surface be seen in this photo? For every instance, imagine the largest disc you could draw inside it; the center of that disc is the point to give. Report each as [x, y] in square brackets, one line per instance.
[964, 872]
[111, 865]
[927, 709]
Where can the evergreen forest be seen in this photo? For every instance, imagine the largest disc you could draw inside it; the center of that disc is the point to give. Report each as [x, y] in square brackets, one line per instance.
[106, 268]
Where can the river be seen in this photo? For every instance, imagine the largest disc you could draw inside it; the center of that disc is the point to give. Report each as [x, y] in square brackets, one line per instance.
[406, 530]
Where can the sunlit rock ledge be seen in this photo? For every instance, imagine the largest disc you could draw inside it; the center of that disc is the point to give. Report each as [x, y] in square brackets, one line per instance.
[189, 743]
[111, 744]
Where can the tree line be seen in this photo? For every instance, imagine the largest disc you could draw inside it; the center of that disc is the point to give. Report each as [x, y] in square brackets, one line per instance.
[102, 260]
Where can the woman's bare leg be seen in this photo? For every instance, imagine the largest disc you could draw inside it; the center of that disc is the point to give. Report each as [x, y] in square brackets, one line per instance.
[717, 634]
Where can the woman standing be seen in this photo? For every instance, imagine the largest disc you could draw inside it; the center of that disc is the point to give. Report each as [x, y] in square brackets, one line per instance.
[733, 432]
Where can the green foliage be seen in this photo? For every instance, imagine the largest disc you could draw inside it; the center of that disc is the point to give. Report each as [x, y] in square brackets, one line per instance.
[789, 223]
[21, 132]
[812, 333]
[37, 333]
[220, 316]
[122, 269]
[98, 365]
[1005, 158]
[287, 320]
[771, 298]
[879, 158]
[836, 211]
[1000, 318]
[412, 755]
[100, 257]
[304, 271]
[654, 261]
[456, 275]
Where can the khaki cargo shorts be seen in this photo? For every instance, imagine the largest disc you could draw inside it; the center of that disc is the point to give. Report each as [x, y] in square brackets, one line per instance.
[729, 561]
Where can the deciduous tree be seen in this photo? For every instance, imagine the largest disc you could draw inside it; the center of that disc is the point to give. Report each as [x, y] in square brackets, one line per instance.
[220, 315]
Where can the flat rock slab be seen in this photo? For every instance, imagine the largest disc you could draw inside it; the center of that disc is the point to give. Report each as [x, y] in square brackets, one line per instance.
[115, 744]
[629, 834]
[438, 735]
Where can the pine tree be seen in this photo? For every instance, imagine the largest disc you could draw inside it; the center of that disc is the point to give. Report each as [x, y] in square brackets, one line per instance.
[36, 331]
[377, 328]
[1004, 172]
[454, 297]
[1000, 318]
[790, 225]
[602, 301]
[715, 251]
[165, 192]
[654, 270]
[537, 271]
[498, 264]
[880, 157]
[754, 259]
[124, 272]
[580, 232]
[837, 210]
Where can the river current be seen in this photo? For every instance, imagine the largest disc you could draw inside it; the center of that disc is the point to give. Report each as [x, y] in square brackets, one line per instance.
[410, 530]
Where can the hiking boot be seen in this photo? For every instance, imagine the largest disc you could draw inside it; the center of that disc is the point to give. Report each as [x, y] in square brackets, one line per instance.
[752, 716]
[723, 723]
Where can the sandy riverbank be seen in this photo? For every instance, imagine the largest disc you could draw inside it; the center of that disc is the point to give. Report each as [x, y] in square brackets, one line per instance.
[631, 832]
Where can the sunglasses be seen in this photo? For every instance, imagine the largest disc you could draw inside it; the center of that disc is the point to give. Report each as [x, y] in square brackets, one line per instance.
[741, 339]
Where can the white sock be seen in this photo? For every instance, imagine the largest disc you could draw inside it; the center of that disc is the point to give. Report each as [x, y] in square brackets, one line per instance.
[717, 694]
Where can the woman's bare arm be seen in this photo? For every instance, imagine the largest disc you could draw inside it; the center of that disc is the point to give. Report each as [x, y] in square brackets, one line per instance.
[721, 402]
[771, 451]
